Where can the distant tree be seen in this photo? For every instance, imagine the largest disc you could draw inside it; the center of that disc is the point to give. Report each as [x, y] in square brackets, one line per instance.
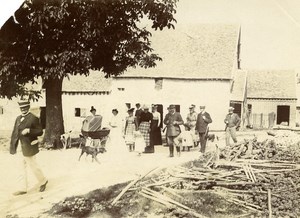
[53, 39]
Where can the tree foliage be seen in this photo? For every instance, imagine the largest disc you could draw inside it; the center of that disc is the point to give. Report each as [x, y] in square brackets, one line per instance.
[57, 38]
[52, 39]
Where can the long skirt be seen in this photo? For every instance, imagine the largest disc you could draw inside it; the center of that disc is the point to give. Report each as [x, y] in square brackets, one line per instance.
[129, 136]
[116, 143]
[155, 134]
[144, 129]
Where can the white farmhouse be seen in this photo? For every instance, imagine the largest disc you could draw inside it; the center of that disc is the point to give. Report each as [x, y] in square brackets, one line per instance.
[198, 67]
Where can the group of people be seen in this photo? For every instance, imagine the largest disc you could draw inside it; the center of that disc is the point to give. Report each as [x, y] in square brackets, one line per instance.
[141, 123]
[196, 128]
[146, 123]
[196, 124]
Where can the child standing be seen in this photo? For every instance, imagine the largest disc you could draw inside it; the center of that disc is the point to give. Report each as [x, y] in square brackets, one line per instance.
[184, 140]
[130, 127]
[139, 142]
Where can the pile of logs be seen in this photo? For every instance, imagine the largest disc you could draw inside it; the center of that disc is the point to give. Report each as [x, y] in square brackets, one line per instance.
[268, 149]
[260, 178]
[259, 187]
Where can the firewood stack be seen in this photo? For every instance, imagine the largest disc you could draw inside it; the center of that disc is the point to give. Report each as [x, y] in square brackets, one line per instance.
[269, 149]
[261, 178]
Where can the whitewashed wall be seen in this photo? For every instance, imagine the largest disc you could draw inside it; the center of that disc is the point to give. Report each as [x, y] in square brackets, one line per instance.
[70, 102]
[214, 94]
[11, 111]
[267, 106]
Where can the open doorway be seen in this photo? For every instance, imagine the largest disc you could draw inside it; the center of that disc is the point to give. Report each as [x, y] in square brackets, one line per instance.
[160, 109]
[237, 108]
[283, 114]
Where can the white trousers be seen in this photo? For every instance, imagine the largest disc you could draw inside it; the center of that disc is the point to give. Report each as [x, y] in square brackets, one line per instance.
[36, 170]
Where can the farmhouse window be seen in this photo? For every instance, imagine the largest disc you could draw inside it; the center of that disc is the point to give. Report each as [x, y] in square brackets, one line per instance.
[1, 110]
[158, 83]
[80, 112]
[121, 89]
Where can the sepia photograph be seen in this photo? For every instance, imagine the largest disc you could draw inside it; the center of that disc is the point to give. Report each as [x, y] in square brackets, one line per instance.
[150, 108]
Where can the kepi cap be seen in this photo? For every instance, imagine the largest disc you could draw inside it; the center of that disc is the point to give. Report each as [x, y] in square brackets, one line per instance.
[191, 106]
[231, 109]
[202, 106]
[172, 106]
[145, 106]
[116, 110]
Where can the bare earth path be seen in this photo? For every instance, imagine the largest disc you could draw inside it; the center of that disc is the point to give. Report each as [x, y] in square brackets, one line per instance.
[67, 176]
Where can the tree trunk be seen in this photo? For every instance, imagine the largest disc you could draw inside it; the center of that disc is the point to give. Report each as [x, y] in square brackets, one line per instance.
[54, 115]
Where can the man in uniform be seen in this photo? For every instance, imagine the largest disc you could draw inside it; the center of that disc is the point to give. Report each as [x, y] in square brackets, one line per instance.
[172, 120]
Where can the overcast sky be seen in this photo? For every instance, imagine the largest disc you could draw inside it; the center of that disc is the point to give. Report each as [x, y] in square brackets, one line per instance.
[270, 28]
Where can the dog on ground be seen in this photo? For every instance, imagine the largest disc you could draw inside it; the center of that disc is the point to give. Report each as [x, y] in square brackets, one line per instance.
[69, 141]
[94, 151]
[212, 138]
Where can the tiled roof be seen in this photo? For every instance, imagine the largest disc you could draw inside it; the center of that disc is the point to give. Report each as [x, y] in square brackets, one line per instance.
[239, 85]
[274, 84]
[95, 82]
[202, 51]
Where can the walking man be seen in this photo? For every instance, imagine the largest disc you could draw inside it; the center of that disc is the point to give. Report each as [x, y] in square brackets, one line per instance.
[232, 122]
[203, 119]
[172, 120]
[26, 130]
[191, 120]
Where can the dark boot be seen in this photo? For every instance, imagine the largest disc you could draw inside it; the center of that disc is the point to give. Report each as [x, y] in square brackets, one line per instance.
[178, 150]
[171, 149]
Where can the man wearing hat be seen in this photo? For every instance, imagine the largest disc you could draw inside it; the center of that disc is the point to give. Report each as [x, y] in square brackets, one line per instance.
[138, 113]
[191, 120]
[172, 120]
[232, 121]
[203, 119]
[26, 130]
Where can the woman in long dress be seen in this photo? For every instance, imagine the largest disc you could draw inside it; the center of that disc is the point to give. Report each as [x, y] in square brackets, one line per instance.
[130, 127]
[115, 124]
[144, 127]
[155, 134]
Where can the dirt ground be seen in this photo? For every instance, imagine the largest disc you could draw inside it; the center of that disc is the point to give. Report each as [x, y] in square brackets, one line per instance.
[69, 177]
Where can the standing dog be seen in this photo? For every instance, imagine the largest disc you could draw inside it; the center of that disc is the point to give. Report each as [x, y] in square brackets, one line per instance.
[94, 151]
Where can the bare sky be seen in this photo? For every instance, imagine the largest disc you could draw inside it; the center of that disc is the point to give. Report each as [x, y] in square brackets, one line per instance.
[270, 28]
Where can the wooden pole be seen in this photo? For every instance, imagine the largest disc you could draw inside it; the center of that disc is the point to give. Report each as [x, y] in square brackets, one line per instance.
[269, 203]
[130, 185]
